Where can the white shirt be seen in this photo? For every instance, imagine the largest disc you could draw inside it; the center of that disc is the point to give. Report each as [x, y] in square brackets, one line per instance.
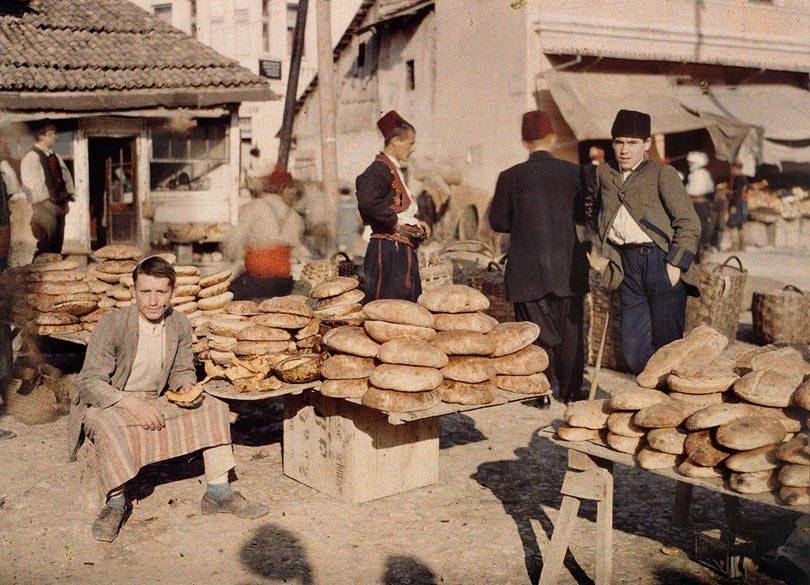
[625, 230]
[408, 215]
[699, 182]
[9, 177]
[33, 176]
[148, 363]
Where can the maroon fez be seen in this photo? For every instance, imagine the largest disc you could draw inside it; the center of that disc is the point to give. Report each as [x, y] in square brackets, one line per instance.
[536, 125]
[631, 124]
[388, 123]
[277, 181]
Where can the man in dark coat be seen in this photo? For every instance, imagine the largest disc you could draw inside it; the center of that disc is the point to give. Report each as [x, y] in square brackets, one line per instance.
[649, 232]
[391, 267]
[538, 202]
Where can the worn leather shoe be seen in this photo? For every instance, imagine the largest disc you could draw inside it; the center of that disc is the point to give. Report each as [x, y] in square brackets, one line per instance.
[236, 504]
[108, 523]
[544, 401]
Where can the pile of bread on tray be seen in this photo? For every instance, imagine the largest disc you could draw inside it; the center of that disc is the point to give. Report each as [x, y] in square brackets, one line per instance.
[744, 420]
[400, 356]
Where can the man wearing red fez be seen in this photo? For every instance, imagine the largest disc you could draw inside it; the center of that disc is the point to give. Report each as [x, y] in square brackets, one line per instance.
[391, 268]
[536, 202]
[649, 232]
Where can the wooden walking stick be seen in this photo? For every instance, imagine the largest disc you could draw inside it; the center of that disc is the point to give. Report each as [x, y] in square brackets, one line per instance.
[598, 367]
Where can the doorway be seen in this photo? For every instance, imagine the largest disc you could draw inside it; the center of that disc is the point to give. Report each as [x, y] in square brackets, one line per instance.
[113, 191]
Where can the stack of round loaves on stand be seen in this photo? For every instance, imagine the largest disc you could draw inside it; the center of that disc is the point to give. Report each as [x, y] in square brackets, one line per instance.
[337, 301]
[721, 419]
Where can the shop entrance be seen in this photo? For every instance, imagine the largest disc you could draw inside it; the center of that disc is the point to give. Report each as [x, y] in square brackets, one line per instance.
[113, 191]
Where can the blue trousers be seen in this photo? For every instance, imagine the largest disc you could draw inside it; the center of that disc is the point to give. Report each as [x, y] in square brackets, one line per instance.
[653, 311]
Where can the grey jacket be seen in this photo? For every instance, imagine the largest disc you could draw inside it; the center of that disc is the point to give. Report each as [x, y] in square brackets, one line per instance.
[655, 197]
[108, 362]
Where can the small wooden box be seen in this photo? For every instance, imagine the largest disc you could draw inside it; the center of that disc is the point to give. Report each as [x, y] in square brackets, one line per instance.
[351, 452]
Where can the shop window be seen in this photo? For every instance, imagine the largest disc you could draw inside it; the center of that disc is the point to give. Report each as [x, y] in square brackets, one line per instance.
[182, 160]
[163, 12]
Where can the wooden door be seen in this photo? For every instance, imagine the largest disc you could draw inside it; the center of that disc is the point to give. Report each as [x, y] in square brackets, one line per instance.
[121, 194]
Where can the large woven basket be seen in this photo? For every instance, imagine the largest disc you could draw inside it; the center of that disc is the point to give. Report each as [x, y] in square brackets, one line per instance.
[345, 266]
[721, 298]
[600, 302]
[781, 316]
[490, 282]
[467, 256]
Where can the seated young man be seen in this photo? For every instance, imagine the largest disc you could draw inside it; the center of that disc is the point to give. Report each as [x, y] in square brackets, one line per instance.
[134, 355]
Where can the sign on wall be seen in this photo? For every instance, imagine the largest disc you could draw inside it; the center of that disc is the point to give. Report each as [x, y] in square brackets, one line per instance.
[270, 69]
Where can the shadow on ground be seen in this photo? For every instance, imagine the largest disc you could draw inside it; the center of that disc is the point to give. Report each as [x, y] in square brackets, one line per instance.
[458, 429]
[277, 554]
[407, 570]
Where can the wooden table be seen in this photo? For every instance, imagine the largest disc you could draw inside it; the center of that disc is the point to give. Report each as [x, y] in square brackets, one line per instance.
[590, 477]
[356, 454]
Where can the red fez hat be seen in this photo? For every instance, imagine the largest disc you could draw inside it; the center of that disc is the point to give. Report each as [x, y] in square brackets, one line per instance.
[631, 124]
[277, 181]
[536, 125]
[390, 122]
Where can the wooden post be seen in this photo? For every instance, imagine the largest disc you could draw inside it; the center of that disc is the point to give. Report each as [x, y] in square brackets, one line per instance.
[292, 85]
[328, 106]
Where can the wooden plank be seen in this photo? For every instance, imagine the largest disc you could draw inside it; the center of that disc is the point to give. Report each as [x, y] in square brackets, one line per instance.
[604, 528]
[585, 485]
[563, 527]
[352, 452]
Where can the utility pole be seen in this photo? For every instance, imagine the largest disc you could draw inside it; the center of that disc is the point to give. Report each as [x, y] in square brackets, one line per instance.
[328, 107]
[285, 139]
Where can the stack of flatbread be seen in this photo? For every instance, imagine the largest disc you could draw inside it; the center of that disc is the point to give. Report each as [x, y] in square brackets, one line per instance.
[58, 296]
[112, 274]
[337, 301]
[186, 288]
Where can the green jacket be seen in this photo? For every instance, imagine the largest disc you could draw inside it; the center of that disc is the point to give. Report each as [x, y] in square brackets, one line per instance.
[656, 198]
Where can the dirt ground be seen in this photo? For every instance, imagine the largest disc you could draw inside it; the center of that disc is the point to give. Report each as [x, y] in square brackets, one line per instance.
[487, 521]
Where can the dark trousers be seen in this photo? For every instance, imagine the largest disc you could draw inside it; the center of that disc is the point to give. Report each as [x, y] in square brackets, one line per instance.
[560, 321]
[652, 310]
[246, 287]
[48, 226]
[707, 213]
[390, 271]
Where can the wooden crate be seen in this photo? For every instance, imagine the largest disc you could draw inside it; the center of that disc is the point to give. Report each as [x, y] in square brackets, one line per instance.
[351, 452]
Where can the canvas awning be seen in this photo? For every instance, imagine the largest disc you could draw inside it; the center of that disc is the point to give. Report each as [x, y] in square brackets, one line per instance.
[589, 102]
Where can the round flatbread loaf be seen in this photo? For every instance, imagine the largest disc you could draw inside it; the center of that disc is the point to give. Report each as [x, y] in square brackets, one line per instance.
[75, 307]
[469, 369]
[702, 343]
[339, 311]
[334, 287]
[758, 482]
[187, 270]
[213, 290]
[347, 367]
[46, 258]
[186, 308]
[768, 387]
[718, 376]
[227, 325]
[104, 277]
[106, 303]
[175, 301]
[635, 398]
[351, 340]
[785, 360]
[531, 384]
[702, 449]
[380, 331]
[717, 415]
[118, 252]
[567, 433]
[262, 333]
[257, 348]
[56, 319]
[801, 397]
[529, 360]
[797, 450]
[310, 330]
[215, 303]
[221, 342]
[453, 298]
[667, 440]
[398, 311]
[412, 352]
[344, 388]
[760, 459]
[116, 266]
[123, 304]
[589, 414]
[468, 394]
[57, 276]
[98, 286]
[215, 279]
[59, 288]
[58, 329]
[45, 266]
[463, 343]
[648, 458]
[475, 322]
[127, 281]
[187, 290]
[621, 423]
[94, 316]
[601, 438]
[221, 357]
[187, 281]
[689, 469]
[750, 432]
[702, 400]
[793, 475]
[289, 304]
[120, 294]
[281, 320]
[795, 496]
[405, 378]
[512, 337]
[667, 414]
[392, 401]
[243, 308]
[624, 444]
[791, 418]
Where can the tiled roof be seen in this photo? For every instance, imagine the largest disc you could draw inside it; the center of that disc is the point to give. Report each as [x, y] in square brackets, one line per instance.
[108, 46]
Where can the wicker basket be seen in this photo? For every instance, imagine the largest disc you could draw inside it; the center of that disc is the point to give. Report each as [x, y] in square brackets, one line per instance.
[781, 316]
[345, 266]
[598, 304]
[316, 271]
[467, 256]
[721, 298]
[490, 282]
